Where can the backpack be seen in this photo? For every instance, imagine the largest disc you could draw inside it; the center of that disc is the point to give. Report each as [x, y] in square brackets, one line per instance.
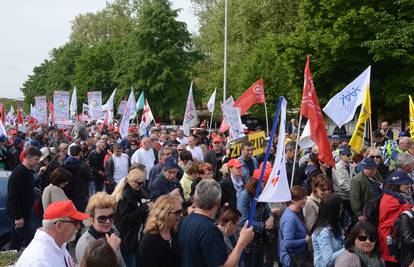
[393, 242]
[371, 210]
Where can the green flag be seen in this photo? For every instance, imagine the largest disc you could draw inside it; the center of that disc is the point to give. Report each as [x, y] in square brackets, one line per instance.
[141, 102]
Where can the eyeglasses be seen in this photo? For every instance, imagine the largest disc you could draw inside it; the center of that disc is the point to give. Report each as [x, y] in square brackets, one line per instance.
[75, 223]
[180, 150]
[364, 238]
[133, 144]
[373, 157]
[177, 212]
[104, 219]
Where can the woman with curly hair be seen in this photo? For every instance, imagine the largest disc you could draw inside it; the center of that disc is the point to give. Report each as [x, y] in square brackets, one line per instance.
[158, 245]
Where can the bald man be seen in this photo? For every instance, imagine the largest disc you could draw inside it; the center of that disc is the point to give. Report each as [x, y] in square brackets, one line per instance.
[144, 155]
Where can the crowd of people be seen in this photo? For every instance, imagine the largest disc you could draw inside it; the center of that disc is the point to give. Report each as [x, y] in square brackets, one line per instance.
[173, 200]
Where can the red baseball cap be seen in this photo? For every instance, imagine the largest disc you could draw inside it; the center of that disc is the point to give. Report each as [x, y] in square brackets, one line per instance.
[234, 163]
[268, 171]
[61, 209]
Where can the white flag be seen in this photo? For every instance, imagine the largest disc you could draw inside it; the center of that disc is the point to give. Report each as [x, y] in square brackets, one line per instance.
[108, 108]
[305, 140]
[85, 112]
[74, 105]
[2, 130]
[211, 102]
[277, 187]
[132, 104]
[190, 115]
[341, 108]
[146, 118]
[124, 126]
[10, 118]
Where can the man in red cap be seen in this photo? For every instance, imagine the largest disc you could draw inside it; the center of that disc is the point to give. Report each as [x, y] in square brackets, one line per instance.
[215, 157]
[232, 185]
[48, 247]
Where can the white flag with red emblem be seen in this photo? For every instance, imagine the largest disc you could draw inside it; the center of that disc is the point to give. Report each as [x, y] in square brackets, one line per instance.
[190, 115]
[277, 187]
[146, 118]
[124, 126]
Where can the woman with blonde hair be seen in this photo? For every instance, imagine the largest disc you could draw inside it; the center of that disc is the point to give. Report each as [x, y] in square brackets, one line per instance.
[158, 245]
[131, 212]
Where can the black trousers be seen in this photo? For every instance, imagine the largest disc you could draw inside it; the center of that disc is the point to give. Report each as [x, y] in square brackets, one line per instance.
[21, 237]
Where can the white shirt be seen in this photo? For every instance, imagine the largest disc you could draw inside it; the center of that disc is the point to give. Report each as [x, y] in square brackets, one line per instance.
[120, 166]
[145, 157]
[183, 140]
[196, 152]
[43, 252]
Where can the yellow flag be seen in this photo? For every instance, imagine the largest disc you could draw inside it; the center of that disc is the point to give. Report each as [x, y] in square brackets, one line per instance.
[411, 118]
[358, 135]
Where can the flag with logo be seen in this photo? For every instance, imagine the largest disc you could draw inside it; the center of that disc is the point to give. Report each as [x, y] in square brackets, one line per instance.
[10, 116]
[40, 109]
[108, 108]
[95, 105]
[310, 109]
[253, 95]
[277, 187]
[61, 107]
[2, 129]
[411, 104]
[190, 115]
[211, 102]
[74, 105]
[224, 124]
[19, 116]
[357, 138]
[341, 108]
[124, 126]
[146, 118]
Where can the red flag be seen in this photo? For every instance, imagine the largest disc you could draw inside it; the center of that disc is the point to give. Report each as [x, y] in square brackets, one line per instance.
[3, 117]
[19, 117]
[310, 109]
[52, 112]
[254, 95]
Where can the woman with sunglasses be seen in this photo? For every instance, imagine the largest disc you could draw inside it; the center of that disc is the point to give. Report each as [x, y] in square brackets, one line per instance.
[375, 154]
[361, 248]
[131, 212]
[158, 246]
[101, 209]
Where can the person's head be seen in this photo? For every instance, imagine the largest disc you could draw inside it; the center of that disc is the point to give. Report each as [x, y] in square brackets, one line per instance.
[345, 154]
[100, 145]
[229, 221]
[217, 143]
[154, 138]
[375, 154]
[105, 139]
[99, 254]
[173, 135]
[247, 150]
[133, 145]
[166, 212]
[170, 169]
[136, 179]
[192, 141]
[399, 182]
[146, 143]
[299, 196]
[31, 157]
[192, 169]
[321, 185]
[45, 155]
[384, 125]
[60, 177]
[225, 170]
[205, 170]
[363, 236]
[180, 133]
[329, 214]
[405, 143]
[290, 150]
[63, 149]
[75, 151]
[101, 208]
[207, 195]
[117, 149]
[163, 137]
[251, 186]
[185, 156]
[164, 153]
[370, 167]
[293, 121]
[61, 220]
[405, 162]
[181, 148]
[235, 167]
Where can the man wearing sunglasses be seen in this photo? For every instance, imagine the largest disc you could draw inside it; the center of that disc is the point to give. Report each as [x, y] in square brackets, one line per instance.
[48, 247]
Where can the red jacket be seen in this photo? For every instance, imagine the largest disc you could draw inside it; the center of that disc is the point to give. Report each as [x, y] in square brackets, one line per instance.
[390, 208]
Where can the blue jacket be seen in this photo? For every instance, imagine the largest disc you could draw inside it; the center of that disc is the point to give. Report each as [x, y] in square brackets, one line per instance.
[292, 233]
[244, 204]
[162, 186]
[326, 247]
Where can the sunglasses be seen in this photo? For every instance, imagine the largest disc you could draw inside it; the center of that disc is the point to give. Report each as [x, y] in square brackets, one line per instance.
[138, 183]
[180, 150]
[373, 157]
[177, 212]
[104, 219]
[364, 238]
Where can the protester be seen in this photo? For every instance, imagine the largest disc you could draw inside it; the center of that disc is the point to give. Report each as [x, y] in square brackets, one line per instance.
[328, 239]
[293, 237]
[20, 199]
[96, 162]
[117, 165]
[195, 150]
[166, 182]
[172, 139]
[215, 157]
[232, 185]
[403, 146]
[361, 247]
[201, 242]
[159, 244]
[299, 175]
[404, 227]
[48, 247]
[131, 212]
[249, 162]
[185, 158]
[59, 179]
[3, 152]
[205, 171]
[13, 154]
[181, 138]
[190, 175]
[163, 154]
[144, 155]
[228, 223]
[99, 254]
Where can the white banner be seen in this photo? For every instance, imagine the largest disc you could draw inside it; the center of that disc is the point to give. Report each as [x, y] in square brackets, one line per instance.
[232, 115]
[85, 112]
[74, 105]
[190, 115]
[40, 109]
[95, 105]
[61, 107]
[277, 187]
[305, 140]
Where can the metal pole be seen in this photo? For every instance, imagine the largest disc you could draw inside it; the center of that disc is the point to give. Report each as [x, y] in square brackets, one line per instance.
[225, 52]
[296, 152]
[267, 120]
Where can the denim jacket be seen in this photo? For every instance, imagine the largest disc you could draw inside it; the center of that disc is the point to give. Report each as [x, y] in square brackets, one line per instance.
[326, 247]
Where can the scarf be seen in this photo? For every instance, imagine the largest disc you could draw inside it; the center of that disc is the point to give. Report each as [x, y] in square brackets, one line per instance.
[96, 234]
[237, 183]
[373, 261]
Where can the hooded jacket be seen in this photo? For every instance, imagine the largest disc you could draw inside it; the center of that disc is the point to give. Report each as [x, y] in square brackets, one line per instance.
[81, 176]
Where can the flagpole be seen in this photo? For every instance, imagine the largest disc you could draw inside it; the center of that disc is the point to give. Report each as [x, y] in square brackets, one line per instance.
[267, 120]
[370, 129]
[296, 152]
[211, 121]
[266, 157]
[225, 52]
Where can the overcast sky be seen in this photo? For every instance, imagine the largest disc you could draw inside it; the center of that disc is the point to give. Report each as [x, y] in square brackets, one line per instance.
[30, 29]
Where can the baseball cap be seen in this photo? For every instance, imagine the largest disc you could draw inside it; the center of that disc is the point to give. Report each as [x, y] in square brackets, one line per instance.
[61, 209]
[234, 163]
[399, 178]
[266, 175]
[368, 163]
[344, 150]
[170, 163]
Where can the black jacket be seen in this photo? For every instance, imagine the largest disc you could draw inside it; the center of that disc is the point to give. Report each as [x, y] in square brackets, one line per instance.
[299, 176]
[154, 251]
[81, 176]
[228, 193]
[162, 186]
[20, 193]
[131, 213]
[215, 159]
[405, 233]
[96, 162]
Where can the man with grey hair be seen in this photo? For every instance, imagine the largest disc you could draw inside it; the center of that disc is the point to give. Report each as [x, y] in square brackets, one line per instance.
[48, 247]
[405, 163]
[403, 145]
[201, 242]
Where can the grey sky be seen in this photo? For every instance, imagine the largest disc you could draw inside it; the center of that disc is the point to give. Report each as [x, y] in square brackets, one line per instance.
[31, 28]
